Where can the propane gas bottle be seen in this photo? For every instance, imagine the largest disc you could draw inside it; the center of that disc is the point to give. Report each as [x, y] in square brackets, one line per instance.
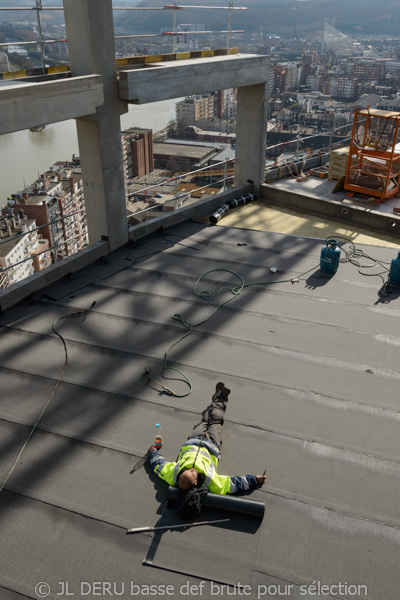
[330, 256]
[394, 273]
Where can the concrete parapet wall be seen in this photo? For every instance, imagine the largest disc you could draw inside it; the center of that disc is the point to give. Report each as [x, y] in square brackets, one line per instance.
[194, 211]
[281, 171]
[37, 282]
[332, 209]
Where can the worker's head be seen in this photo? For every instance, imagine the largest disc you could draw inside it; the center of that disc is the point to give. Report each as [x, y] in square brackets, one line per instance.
[187, 479]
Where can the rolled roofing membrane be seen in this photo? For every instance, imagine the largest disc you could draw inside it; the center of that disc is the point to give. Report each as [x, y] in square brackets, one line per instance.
[237, 504]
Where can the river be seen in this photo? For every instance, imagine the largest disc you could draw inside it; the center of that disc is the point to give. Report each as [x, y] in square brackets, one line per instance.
[24, 154]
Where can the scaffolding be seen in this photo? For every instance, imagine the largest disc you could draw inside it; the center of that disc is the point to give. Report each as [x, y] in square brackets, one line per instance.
[174, 34]
[373, 167]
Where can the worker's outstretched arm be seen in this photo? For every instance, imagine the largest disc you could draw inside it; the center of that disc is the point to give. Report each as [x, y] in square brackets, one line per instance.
[162, 468]
[223, 484]
[245, 482]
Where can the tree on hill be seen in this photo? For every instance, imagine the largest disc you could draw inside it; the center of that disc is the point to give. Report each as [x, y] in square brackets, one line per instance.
[19, 61]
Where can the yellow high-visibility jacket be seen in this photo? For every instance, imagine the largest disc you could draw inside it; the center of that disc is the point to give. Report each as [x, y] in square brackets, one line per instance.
[205, 461]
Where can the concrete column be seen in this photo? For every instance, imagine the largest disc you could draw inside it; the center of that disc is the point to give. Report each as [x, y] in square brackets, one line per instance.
[251, 135]
[90, 33]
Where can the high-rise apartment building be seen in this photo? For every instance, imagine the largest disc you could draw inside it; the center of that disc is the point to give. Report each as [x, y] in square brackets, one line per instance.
[341, 87]
[20, 255]
[314, 82]
[194, 108]
[56, 202]
[368, 71]
[219, 103]
[137, 151]
[293, 72]
[230, 104]
[4, 63]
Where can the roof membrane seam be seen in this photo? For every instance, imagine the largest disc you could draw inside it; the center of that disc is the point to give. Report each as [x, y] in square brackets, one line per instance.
[63, 508]
[47, 430]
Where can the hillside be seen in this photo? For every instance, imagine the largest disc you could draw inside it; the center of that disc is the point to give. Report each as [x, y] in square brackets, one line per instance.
[288, 17]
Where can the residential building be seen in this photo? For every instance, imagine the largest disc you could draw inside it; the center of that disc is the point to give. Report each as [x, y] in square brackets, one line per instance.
[307, 69]
[20, 255]
[314, 82]
[212, 136]
[279, 78]
[177, 157]
[392, 65]
[341, 87]
[230, 104]
[73, 214]
[219, 103]
[44, 209]
[293, 71]
[137, 152]
[310, 58]
[41, 255]
[194, 108]
[368, 71]
[56, 202]
[4, 63]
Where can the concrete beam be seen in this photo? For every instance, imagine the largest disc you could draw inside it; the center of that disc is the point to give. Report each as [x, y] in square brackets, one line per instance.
[166, 80]
[26, 105]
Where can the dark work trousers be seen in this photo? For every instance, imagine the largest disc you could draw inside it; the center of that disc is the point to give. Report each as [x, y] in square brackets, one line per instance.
[211, 424]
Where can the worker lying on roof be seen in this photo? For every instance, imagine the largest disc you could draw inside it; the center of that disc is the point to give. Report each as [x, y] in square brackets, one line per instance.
[199, 455]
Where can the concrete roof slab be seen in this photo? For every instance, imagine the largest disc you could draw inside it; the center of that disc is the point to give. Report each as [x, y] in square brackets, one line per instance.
[314, 376]
[54, 545]
[328, 548]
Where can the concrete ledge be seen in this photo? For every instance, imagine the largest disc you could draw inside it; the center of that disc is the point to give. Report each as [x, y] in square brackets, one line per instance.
[37, 282]
[332, 209]
[26, 105]
[24, 73]
[166, 80]
[274, 173]
[127, 61]
[194, 211]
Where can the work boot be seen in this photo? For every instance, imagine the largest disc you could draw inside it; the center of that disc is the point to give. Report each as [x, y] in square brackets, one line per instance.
[218, 390]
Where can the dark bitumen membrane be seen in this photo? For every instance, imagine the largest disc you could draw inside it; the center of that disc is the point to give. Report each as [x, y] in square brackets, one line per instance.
[313, 367]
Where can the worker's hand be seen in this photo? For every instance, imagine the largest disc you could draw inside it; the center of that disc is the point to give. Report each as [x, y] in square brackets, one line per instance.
[152, 448]
[261, 479]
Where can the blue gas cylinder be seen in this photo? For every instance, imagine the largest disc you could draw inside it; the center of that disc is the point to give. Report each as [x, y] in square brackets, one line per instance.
[394, 273]
[330, 256]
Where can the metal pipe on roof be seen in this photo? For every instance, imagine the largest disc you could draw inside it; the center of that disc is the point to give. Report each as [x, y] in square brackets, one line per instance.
[206, 7]
[185, 525]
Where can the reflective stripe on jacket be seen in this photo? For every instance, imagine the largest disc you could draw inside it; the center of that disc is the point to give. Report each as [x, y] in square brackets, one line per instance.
[206, 461]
